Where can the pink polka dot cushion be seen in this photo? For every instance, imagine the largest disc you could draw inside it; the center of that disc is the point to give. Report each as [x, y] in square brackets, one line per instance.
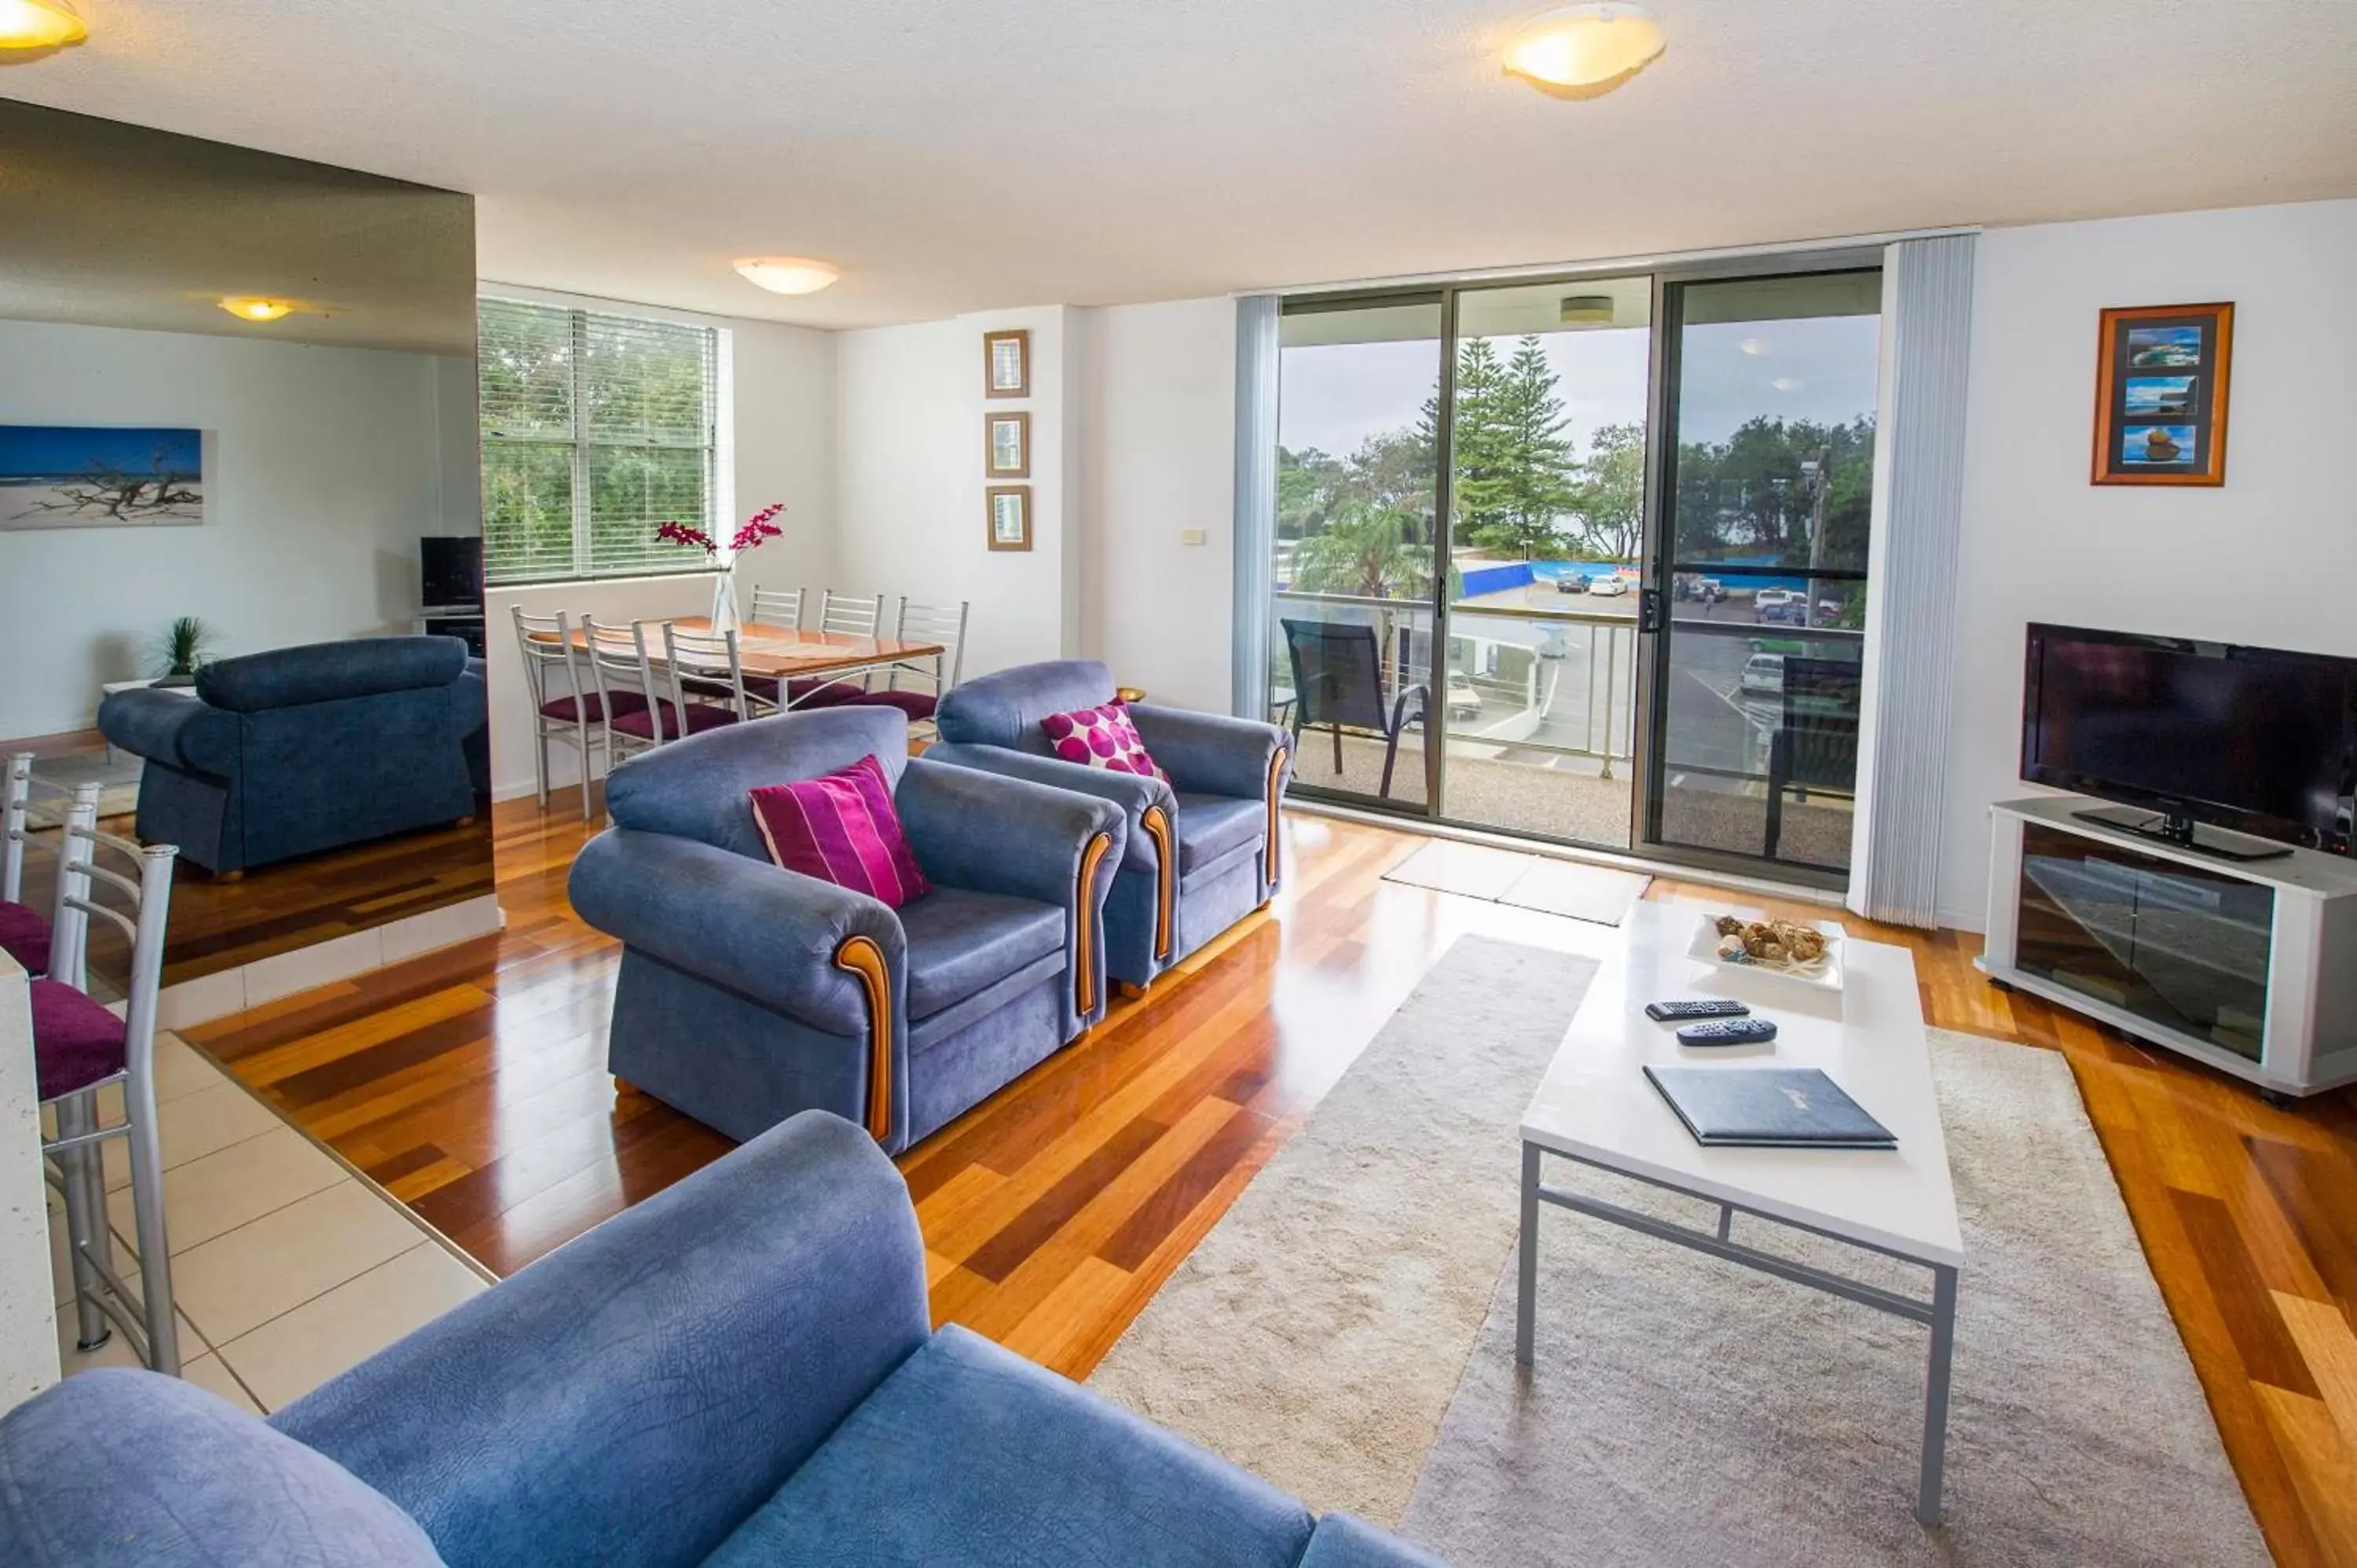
[1101, 738]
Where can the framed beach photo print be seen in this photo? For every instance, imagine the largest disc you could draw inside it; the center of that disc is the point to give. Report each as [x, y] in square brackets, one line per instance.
[1010, 516]
[1007, 446]
[2161, 395]
[1007, 363]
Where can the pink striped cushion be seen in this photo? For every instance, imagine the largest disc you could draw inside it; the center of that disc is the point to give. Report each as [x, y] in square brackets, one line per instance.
[841, 828]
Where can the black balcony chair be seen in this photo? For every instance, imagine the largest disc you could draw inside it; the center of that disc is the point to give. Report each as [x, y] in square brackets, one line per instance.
[1338, 680]
[1815, 743]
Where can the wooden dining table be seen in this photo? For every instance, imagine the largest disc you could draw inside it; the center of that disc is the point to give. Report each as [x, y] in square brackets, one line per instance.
[787, 654]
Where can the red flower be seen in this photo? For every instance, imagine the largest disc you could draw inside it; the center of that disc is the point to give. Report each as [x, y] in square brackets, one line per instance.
[758, 528]
[681, 534]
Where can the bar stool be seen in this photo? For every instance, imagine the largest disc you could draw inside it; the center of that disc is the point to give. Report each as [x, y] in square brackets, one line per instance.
[80, 1046]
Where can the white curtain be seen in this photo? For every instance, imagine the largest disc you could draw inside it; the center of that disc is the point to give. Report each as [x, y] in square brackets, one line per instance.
[1255, 530]
[1919, 483]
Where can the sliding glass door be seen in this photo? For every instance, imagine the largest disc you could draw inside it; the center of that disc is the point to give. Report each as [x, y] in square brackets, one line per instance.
[1582, 559]
[1546, 526]
[1766, 494]
[1358, 467]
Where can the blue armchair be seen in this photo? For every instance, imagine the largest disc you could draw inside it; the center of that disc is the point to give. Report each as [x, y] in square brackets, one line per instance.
[748, 992]
[1202, 849]
[303, 750]
[736, 1373]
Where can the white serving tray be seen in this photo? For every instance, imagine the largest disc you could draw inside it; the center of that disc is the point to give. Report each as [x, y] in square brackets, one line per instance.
[1827, 978]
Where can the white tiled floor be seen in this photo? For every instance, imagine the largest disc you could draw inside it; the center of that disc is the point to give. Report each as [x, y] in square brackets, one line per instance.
[286, 1268]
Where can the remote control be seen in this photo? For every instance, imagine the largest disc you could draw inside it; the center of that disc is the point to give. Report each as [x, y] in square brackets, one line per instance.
[1707, 1007]
[1728, 1032]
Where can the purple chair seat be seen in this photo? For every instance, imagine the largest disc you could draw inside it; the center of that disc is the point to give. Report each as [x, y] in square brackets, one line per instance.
[916, 704]
[700, 716]
[592, 708]
[76, 1041]
[25, 937]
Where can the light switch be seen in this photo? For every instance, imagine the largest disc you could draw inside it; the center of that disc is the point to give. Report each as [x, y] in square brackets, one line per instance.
[1190, 536]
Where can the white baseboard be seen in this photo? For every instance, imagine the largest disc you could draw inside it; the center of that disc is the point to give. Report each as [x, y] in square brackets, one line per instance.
[228, 991]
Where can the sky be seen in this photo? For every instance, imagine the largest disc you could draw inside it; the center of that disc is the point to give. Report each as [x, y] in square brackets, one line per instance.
[39, 450]
[1819, 368]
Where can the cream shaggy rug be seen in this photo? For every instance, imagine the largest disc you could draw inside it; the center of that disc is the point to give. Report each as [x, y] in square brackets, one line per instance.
[1315, 1335]
[1680, 1410]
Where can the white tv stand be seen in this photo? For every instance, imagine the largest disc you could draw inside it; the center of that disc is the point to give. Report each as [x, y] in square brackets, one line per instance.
[2250, 966]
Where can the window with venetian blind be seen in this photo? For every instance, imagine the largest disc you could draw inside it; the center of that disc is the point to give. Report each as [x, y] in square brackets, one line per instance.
[596, 428]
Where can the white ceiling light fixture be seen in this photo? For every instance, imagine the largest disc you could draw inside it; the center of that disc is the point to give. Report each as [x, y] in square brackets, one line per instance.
[39, 25]
[787, 275]
[1584, 50]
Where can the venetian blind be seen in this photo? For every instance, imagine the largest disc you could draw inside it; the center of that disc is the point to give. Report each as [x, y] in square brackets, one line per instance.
[596, 428]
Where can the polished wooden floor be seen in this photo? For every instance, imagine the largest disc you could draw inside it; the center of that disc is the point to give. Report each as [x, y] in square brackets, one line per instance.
[222, 923]
[472, 1083]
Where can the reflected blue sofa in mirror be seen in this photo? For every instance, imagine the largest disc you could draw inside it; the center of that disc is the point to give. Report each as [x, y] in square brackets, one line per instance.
[297, 750]
[737, 1372]
[747, 992]
[1204, 849]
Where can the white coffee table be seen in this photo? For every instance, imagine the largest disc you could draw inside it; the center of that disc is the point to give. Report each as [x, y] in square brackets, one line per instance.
[1596, 1107]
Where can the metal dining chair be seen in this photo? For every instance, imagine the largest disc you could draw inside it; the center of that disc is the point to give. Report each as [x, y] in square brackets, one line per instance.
[849, 613]
[780, 607]
[702, 666]
[565, 704]
[915, 686]
[24, 931]
[845, 615]
[80, 1048]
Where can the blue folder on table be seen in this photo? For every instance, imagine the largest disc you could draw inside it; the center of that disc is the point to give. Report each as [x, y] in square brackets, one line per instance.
[1766, 1108]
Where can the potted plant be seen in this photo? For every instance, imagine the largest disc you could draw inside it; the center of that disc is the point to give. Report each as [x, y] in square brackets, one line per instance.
[758, 531]
[182, 651]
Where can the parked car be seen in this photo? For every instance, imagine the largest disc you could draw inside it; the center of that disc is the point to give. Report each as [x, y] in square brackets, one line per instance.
[1611, 586]
[1763, 675]
[1769, 598]
[1793, 612]
[1571, 582]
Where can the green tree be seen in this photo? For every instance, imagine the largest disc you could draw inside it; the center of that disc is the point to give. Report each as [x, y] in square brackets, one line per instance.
[1364, 551]
[1532, 485]
[1478, 440]
[1608, 495]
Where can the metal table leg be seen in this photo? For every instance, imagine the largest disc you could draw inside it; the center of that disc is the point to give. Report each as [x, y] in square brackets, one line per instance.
[1526, 1288]
[1935, 1393]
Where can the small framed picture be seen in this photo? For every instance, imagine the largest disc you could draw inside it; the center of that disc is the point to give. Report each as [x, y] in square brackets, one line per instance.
[1010, 517]
[1007, 446]
[1007, 363]
[2161, 395]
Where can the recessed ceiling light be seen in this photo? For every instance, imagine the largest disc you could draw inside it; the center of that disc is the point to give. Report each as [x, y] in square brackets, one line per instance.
[249, 307]
[785, 274]
[39, 25]
[1586, 50]
[1753, 346]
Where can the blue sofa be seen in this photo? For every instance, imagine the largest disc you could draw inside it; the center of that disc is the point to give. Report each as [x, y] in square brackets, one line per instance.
[303, 750]
[1202, 849]
[747, 992]
[736, 1373]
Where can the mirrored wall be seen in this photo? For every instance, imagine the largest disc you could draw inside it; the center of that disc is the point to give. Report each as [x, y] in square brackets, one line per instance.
[240, 524]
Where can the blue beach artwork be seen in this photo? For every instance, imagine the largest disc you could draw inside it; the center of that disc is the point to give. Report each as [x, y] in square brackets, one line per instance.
[99, 475]
[2159, 394]
[2164, 348]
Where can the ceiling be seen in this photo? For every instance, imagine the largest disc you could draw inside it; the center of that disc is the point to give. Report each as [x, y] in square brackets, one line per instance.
[993, 152]
[107, 224]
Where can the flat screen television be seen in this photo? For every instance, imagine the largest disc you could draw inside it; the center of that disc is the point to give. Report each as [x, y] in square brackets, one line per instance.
[450, 570]
[2253, 739]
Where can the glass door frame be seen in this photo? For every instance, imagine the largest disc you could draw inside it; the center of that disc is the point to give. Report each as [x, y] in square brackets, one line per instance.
[1654, 641]
[1648, 697]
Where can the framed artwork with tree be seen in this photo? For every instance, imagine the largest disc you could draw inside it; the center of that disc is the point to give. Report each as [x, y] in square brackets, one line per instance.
[1007, 363]
[100, 476]
[1010, 516]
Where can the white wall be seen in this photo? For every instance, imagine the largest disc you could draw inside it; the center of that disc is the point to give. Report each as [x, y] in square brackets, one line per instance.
[2265, 558]
[909, 479]
[1158, 430]
[323, 468]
